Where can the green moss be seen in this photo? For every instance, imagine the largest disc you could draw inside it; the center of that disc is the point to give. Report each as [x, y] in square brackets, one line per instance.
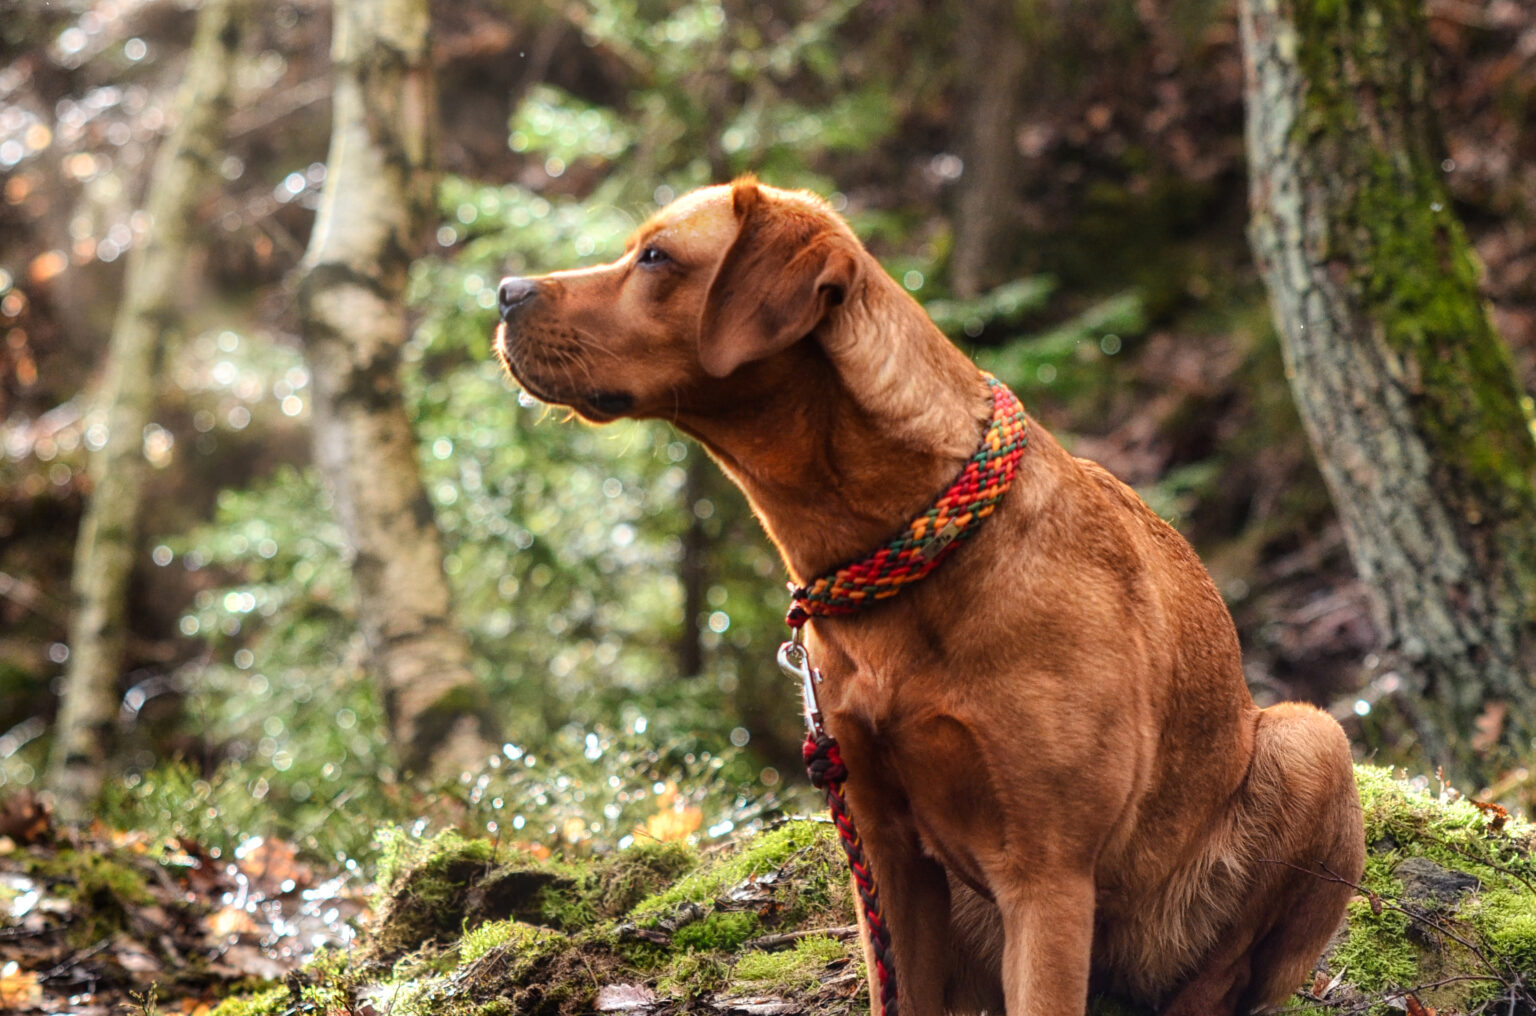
[100, 889]
[638, 872]
[264, 1003]
[567, 907]
[429, 961]
[1506, 920]
[797, 969]
[1497, 910]
[511, 933]
[495, 1007]
[694, 975]
[423, 997]
[401, 853]
[1449, 830]
[768, 852]
[423, 886]
[721, 932]
[1377, 954]
[328, 964]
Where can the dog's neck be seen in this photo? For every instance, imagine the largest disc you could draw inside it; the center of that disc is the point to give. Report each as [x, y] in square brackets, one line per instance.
[842, 440]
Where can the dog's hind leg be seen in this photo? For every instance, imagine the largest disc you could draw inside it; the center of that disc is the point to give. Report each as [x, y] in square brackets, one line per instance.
[1322, 821]
[975, 954]
[1299, 812]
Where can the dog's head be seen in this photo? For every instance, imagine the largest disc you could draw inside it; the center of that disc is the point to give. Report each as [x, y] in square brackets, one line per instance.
[721, 278]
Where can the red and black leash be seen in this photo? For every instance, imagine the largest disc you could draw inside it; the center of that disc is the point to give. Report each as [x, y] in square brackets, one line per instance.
[909, 556]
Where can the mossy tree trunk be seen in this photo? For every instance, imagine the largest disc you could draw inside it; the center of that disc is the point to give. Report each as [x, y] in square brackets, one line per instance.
[375, 213]
[108, 540]
[1407, 393]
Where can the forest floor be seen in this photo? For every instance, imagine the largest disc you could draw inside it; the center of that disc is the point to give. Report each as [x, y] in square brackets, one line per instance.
[101, 921]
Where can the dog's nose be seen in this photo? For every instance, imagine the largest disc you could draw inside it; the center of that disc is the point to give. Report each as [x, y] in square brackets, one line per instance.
[512, 294]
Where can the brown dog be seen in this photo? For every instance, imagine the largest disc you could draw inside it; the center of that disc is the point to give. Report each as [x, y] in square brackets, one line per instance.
[1056, 767]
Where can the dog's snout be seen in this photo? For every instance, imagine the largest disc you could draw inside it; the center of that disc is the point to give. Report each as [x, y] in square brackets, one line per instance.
[513, 294]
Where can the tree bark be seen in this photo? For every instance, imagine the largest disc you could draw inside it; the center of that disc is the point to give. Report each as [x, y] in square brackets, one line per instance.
[990, 47]
[108, 540]
[374, 215]
[1408, 395]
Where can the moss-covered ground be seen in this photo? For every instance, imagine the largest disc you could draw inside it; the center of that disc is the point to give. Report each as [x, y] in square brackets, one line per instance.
[1445, 913]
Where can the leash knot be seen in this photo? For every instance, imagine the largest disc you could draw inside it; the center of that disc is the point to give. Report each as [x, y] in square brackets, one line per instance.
[823, 761]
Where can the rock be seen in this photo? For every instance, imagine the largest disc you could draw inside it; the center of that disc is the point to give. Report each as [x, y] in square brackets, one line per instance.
[1424, 880]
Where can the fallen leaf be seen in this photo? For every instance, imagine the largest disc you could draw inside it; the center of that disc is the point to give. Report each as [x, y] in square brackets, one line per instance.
[1489, 726]
[230, 921]
[273, 864]
[1497, 814]
[623, 997]
[672, 825]
[25, 819]
[19, 988]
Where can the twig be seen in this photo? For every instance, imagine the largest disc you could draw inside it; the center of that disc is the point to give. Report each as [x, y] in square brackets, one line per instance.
[1496, 867]
[1368, 1002]
[1328, 874]
[74, 960]
[768, 943]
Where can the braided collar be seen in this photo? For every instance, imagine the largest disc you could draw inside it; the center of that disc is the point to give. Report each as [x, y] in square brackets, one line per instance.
[929, 538]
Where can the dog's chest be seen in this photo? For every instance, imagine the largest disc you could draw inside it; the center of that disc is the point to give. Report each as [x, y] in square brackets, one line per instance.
[911, 765]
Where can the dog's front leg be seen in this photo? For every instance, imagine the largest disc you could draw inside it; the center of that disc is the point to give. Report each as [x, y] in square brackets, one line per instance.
[914, 901]
[1047, 942]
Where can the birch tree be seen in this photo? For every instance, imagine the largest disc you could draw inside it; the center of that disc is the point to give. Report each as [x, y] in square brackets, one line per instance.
[108, 540]
[374, 215]
[1407, 393]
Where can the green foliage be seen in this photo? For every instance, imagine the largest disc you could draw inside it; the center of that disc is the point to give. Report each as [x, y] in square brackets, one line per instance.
[1069, 359]
[236, 801]
[1004, 305]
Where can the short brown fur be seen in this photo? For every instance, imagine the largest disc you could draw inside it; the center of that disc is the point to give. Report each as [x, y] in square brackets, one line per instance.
[1060, 776]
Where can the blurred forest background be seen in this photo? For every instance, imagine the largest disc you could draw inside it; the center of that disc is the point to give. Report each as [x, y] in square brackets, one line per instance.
[1062, 184]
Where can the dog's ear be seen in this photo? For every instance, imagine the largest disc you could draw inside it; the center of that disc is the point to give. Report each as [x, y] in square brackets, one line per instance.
[783, 274]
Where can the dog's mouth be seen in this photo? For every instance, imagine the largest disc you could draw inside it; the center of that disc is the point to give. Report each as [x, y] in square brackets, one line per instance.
[597, 405]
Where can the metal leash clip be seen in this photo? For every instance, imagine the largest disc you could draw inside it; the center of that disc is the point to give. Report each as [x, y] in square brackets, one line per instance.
[795, 661]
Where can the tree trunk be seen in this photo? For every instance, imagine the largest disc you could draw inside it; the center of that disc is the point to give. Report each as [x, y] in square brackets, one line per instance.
[990, 48]
[693, 570]
[374, 215]
[108, 540]
[1408, 395]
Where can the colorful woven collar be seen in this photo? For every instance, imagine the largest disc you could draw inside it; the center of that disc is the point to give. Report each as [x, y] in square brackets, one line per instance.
[930, 537]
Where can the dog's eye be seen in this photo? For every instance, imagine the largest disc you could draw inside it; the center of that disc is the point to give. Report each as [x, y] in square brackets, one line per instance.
[652, 256]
